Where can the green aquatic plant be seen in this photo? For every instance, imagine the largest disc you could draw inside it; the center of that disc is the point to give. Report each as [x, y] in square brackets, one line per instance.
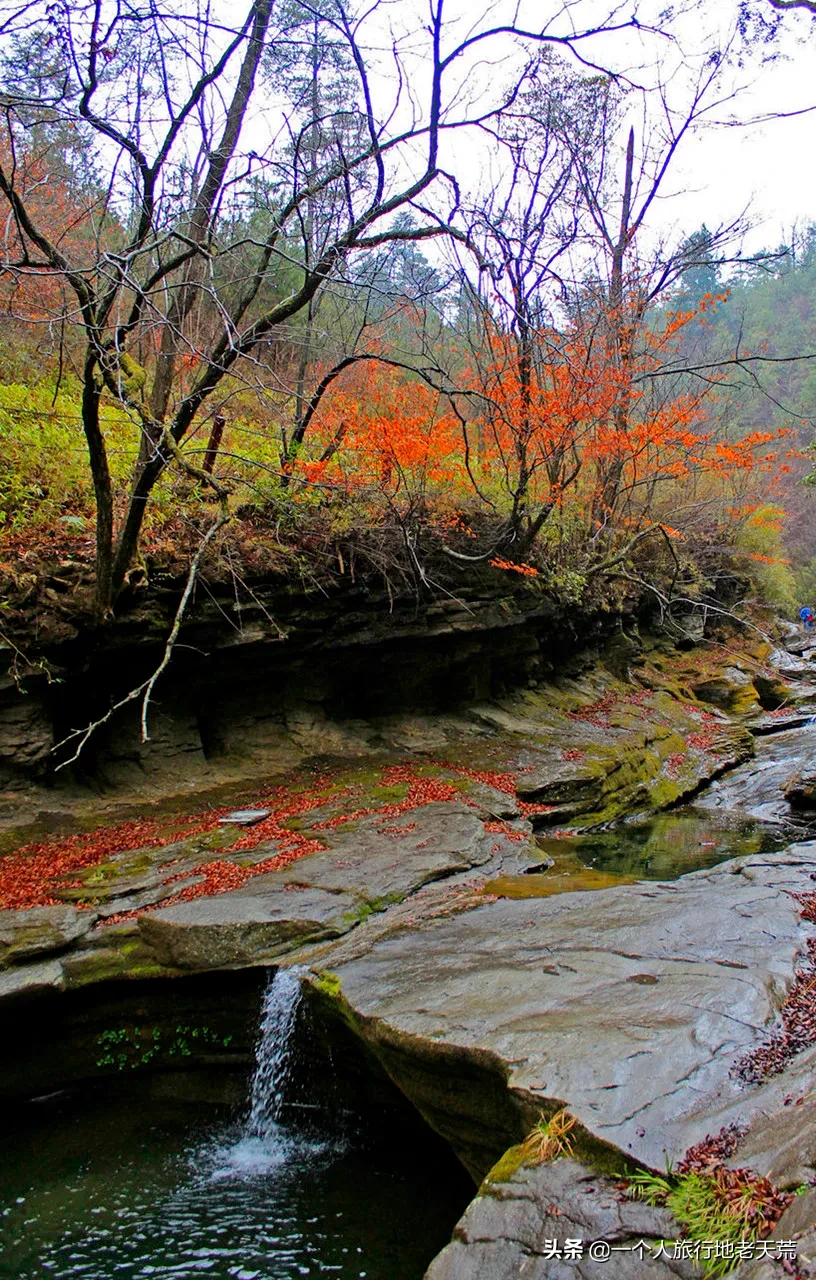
[128, 1047]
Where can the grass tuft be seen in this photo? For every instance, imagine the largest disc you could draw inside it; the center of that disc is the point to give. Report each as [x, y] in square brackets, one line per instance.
[716, 1203]
[549, 1139]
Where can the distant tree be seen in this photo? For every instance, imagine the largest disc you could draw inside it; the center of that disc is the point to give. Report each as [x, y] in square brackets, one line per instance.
[698, 267]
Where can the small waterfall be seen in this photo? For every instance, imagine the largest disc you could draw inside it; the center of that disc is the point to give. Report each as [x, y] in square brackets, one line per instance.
[273, 1052]
[263, 1144]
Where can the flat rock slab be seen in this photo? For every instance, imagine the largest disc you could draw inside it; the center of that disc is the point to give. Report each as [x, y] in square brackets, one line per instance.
[372, 862]
[249, 926]
[31, 978]
[40, 930]
[519, 1228]
[244, 817]
[629, 1006]
[383, 859]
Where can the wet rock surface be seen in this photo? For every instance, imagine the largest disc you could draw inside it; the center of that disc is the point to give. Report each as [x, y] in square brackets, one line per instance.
[382, 860]
[781, 1145]
[523, 1225]
[627, 1006]
[772, 784]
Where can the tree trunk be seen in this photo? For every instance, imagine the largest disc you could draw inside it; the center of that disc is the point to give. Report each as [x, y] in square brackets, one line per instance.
[214, 443]
[100, 472]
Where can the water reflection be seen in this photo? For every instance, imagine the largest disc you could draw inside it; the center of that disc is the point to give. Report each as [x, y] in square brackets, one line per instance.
[659, 848]
[672, 844]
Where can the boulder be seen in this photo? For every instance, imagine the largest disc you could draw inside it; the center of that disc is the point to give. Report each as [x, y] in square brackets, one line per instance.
[252, 925]
[800, 792]
[732, 689]
[540, 1223]
[629, 1005]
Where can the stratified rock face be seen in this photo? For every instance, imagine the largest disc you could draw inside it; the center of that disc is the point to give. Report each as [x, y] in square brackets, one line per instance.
[540, 1223]
[25, 732]
[40, 930]
[628, 1006]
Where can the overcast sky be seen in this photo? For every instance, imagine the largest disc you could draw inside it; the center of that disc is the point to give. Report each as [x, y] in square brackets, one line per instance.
[768, 167]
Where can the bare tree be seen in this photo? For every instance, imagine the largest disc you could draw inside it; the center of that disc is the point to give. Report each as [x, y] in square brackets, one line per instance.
[552, 136]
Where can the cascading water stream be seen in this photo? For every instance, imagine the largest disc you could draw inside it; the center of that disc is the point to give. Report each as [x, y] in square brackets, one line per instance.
[264, 1143]
[273, 1052]
[146, 1188]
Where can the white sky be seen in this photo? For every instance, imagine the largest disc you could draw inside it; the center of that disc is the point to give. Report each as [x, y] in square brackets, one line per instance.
[770, 167]
[767, 168]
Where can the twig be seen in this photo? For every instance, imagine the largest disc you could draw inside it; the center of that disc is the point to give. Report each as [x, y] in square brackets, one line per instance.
[39, 665]
[145, 689]
[173, 636]
[666, 603]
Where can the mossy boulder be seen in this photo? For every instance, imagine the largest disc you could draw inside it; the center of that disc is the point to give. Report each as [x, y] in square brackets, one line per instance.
[732, 689]
[772, 691]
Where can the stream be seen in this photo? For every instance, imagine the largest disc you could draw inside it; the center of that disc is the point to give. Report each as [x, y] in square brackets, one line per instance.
[755, 789]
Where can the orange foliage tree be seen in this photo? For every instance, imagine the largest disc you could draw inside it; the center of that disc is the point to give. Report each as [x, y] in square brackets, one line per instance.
[389, 438]
[30, 291]
[554, 427]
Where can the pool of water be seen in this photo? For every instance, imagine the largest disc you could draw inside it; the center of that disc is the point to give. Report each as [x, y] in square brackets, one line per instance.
[668, 845]
[118, 1186]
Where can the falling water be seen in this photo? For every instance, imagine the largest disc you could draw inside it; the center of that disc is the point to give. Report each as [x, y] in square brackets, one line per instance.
[264, 1144]
[273, 1052]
